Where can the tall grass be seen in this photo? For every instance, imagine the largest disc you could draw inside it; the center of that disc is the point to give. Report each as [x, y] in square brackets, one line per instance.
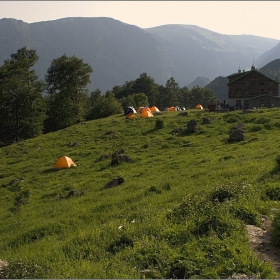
[180, 212]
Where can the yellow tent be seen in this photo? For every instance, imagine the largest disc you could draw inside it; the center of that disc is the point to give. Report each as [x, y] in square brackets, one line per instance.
[64, 162]
[146, 114]
[154, 109]
[198, 106]
[131, 116]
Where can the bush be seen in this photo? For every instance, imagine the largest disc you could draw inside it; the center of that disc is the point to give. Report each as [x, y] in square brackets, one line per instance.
[275, 230]
[273, 193]
[121, 243]
[277, 159]
[159, 124]
[247, 214]
[216, 223]
[221, 194]
[262, 120]
[255, 128]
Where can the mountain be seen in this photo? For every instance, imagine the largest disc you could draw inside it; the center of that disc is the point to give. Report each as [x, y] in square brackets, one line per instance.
[268, 56]
[200, 82]
[116, 51]
[119, 52]
[220, 88]
[196, 51]
[272, 69]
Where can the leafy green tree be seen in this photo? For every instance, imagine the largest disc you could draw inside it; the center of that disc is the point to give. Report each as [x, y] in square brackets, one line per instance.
[135, 100]
[66, 85]
[105, 106]
[94, 97]
[145, 84]
[201, 96]
[22, 110]
[124, 90]
[170, 93]
[185, 97]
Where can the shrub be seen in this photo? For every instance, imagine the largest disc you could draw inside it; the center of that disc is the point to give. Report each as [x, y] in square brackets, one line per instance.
[247, 214]
[216, 223]
[159, 124]
[273, 193]
[231, 118]
[221, 194]
[154, 189]
[121, 243]
[35, 235]
[277, 159]
[262, 120]
[255, 128]
[275, 230]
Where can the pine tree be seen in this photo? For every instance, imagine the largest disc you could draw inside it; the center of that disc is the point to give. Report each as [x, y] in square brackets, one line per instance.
[22, 108]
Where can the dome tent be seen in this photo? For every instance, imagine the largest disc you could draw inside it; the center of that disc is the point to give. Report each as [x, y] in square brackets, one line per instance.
[154, 109]
[146, 114]
[198, 106]
[64, 162]
[129, 110]
[131, 116]
[172, 108]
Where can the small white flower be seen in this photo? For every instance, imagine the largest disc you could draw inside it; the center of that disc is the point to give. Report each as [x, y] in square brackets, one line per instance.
[120, 227]
[133, 221]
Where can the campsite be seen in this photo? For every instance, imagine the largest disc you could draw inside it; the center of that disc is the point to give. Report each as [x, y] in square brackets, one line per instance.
[142, 200]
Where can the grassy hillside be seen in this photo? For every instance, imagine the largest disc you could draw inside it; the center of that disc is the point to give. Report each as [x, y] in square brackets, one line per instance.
[179, 210]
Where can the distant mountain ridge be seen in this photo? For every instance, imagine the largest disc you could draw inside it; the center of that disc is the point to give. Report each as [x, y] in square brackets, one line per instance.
[119, 52]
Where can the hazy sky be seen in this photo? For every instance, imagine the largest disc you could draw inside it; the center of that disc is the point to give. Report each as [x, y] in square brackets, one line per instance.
[260, 18]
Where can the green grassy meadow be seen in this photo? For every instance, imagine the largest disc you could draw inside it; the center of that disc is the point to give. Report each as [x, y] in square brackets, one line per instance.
[180, 212]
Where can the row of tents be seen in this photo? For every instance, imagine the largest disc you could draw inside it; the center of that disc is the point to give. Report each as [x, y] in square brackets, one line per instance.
[146, 112]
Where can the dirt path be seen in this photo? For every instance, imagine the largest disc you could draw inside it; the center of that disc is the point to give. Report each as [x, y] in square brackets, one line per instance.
[260, 242]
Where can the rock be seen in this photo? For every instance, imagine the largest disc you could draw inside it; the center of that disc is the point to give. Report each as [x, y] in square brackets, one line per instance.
[206, 121]
[192, 126]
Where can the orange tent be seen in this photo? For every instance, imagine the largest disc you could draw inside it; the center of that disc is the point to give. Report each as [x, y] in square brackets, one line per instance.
[139, 110]
[146, 114]
[64, 162]
[154, 109]
[171, 109]
[146, 109]
[131, 116]
[198, 106]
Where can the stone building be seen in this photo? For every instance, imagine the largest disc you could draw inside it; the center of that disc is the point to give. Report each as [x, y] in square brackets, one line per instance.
[252, 89]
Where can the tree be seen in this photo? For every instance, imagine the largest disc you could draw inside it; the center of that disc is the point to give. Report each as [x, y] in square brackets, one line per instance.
[105, 106]
[22, 110]
[170, 93]
[66, 85]
[135, 100]
[147, 85]
[201, 96]
[185, 97]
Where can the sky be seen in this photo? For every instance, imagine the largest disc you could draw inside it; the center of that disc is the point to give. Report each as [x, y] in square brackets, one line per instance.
[259, 18]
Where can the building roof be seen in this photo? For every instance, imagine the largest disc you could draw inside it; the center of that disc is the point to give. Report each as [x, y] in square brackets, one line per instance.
[237, 76]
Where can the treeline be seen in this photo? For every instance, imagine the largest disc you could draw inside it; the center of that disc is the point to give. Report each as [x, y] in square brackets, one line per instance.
[30, 107]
